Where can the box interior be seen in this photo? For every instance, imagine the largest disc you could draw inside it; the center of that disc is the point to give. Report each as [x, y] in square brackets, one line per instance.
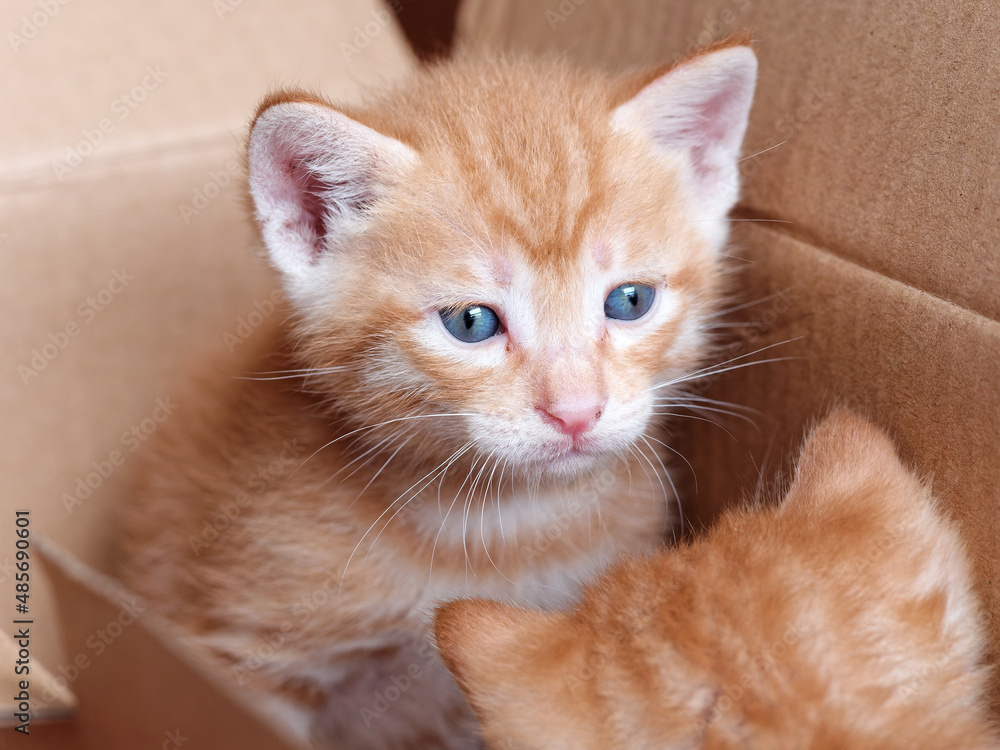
[865, 247]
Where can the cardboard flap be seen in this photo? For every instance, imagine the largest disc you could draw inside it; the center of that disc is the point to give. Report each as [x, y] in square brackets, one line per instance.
[110, 80]
[134, 684]
[39, 679]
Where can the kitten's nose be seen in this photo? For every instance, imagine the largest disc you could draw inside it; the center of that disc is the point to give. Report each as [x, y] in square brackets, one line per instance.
[575, 419]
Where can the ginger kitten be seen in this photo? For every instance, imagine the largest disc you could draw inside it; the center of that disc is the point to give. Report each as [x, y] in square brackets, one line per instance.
[497, 274]
[845, 618]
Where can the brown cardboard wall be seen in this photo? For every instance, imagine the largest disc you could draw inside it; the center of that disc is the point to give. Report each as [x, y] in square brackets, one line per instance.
[137, 685]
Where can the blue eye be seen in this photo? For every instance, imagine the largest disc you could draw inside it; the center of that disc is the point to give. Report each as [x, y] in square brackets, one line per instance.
[471, 324]
[629, 302]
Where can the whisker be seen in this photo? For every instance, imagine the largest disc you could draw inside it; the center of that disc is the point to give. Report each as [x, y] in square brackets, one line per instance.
[668, 402]
[680, 507]
[679, 455]
[743, 306]
[641, 465]
[417, 492]
[721, 366]
[663, 489]
[375, 522]
[472, 467]
[289, 374]
[353, 461]
[697, 376]
[628, 468]
[764, 151]
[503, 536]
[376, 475]
[695, 397]
[670, 481]
[467, 508]
[376, 426]
[731, 221]
[725, 326]
[482, 516]
[696, 418]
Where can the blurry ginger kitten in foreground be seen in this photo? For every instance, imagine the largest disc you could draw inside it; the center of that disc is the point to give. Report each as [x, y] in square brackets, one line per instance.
[500, 274]
[844, 619]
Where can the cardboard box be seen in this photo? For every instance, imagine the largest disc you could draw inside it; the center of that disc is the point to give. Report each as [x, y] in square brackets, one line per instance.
[127, 256]
[868, 237]
[126, 253]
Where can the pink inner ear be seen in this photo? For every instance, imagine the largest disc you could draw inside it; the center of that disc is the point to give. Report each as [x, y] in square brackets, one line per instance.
[307, 192]
[725, 117]
[314, 176]
[313, 190]
[718, 143]
[712, 129]
[297, 186]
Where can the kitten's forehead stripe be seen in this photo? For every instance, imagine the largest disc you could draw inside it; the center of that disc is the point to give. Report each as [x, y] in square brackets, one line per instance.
[532, 169]
[547, 221]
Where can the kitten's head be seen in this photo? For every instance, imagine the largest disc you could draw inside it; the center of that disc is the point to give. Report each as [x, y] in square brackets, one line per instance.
[506, 257]
[843, 619]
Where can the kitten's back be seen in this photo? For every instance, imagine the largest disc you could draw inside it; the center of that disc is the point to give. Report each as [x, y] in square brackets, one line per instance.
[843, 618]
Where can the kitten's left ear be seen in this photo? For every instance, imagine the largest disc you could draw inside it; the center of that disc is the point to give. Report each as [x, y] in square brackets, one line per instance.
[700, 107]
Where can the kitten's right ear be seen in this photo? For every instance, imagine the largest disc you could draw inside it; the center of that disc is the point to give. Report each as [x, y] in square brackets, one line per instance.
[314, 172]
[699, 108]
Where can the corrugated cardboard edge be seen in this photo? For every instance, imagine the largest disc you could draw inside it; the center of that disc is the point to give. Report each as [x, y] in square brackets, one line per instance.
[187, 701]
[62, 707]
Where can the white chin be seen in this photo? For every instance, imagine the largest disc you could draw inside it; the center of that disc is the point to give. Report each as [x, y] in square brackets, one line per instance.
[564, 461]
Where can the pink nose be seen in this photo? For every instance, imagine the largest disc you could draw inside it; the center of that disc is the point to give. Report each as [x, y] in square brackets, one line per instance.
[572, 421]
